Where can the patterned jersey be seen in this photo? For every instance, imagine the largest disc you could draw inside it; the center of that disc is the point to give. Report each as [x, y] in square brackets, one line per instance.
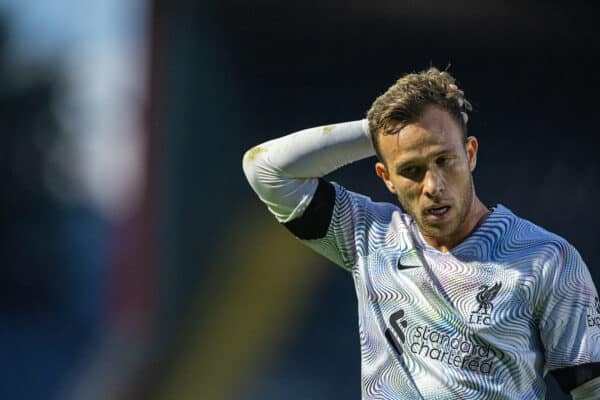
[484, 321]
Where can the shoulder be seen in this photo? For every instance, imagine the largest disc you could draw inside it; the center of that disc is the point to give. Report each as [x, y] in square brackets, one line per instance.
[521, 230]
[365, 204]
[337, 210]
[546, 248]
[375, 225]
[366, 214]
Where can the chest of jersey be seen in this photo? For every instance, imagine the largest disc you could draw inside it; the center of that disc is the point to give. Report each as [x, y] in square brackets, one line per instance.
[442, 286]
[461, 316]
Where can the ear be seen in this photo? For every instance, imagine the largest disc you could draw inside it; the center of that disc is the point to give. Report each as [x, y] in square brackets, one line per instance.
[385, 176]
[471, 147]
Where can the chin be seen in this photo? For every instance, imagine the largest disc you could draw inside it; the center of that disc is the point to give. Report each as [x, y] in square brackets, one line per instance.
[438, 231]
[429, 230]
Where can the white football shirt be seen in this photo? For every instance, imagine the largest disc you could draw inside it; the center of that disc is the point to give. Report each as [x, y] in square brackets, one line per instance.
[484, 321]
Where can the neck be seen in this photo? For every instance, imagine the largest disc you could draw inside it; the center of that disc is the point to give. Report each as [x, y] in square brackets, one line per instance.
[476, 216]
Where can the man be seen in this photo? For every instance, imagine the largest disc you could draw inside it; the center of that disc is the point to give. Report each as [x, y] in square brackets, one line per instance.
[456, 300]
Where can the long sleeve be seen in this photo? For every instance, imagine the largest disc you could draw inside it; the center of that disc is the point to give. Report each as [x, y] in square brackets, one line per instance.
[284, 172]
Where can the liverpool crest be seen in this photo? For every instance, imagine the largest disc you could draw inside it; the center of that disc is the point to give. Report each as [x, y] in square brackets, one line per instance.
[485, 296]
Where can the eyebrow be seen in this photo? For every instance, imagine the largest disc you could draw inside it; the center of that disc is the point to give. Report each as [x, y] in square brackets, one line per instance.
[405, 163]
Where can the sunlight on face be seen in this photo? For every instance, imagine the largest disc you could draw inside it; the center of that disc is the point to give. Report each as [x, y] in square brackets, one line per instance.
[428, 165]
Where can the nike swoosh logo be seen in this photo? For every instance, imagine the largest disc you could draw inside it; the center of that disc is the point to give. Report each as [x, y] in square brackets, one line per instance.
[402, 266]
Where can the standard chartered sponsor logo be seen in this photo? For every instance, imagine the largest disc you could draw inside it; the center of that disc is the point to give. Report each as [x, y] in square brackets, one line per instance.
[456, 351]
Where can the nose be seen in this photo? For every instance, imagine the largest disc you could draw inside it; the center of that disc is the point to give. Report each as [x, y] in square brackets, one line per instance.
[433, 183]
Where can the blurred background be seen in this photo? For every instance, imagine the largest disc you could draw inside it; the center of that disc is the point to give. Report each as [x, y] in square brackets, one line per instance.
[136, 261]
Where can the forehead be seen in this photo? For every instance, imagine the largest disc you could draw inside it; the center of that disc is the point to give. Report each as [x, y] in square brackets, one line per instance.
[434, 133]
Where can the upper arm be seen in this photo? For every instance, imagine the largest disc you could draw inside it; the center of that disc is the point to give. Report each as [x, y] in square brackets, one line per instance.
[333, 223]
[286, 197]
[570, 317]
[314, 221]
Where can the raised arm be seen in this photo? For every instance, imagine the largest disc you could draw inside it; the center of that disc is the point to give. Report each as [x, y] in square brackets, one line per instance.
[285, 172]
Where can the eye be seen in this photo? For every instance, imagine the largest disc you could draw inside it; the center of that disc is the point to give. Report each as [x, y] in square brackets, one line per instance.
[412, 172]
[443, 160]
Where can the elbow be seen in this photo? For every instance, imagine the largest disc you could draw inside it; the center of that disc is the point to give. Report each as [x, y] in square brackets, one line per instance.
[257, 169]
[250, 162]
[250, 156]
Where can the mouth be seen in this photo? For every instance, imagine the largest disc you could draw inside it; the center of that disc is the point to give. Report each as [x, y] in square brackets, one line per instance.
[436, 213]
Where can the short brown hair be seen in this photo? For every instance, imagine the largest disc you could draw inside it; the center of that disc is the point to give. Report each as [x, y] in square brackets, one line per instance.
[405, 101]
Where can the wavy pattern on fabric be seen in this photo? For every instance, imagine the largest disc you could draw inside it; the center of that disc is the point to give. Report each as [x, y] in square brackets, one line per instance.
[485, 321]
